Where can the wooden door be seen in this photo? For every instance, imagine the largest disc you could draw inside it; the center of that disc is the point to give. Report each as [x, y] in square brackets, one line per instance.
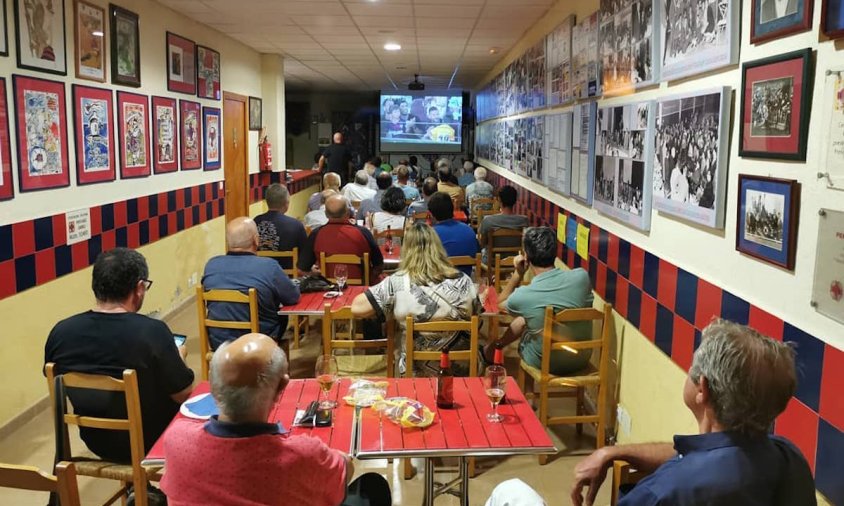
[235, 144]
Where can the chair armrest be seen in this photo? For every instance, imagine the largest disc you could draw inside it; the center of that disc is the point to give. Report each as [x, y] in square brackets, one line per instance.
[623, 474]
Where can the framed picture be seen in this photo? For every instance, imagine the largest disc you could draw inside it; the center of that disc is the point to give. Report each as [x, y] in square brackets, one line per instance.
[256, 112]
[833, 136]
[832, 18]
[691, 155]
[768, 211]
[207, 73]
[181, 64]
[7, 188]
[697, 36]
[41, 128]
[125, 47]
[211, 148]
[772, 19]
[583, 151]
[90, 37]
[190, 134]
[133, 121]
[775, 106]
[40, 29]
[557, 152]
[4, 37]
[165, 135]
[558, 83]
[629, 55]
[93, 113]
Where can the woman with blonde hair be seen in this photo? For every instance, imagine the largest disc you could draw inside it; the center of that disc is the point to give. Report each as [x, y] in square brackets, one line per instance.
[427, 287]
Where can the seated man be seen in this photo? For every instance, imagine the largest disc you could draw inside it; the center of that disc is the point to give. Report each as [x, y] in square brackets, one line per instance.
[549, 287]
[277, 231]
[457, 238]
[373, 205]
[479, 189]
[506, 219]
[238, 458]
[330, 181]
[739, 382]
[240, 269]
[359, 188]
[403, 179]
[448, 184]
[421, 206]
[112, 337]
[317, 217]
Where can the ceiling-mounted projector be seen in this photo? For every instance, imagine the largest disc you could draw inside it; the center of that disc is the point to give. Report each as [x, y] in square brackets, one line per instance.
[416, 85]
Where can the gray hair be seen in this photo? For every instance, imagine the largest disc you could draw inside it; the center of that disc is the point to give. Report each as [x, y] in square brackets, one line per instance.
[751, 377]
[443, 164]
[331, 180]
[361, 177]
[480, 174]
[238, 402]
[277, 196]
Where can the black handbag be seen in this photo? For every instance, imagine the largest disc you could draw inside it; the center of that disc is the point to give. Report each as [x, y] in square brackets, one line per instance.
[315, 283]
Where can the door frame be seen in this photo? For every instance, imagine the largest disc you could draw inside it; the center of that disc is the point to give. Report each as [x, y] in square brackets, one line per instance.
[227, 95]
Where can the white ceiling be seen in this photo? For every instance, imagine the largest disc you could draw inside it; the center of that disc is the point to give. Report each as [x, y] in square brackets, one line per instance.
[339, 44]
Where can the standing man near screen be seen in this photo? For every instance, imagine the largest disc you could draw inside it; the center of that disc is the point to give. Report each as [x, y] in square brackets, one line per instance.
[339, 158]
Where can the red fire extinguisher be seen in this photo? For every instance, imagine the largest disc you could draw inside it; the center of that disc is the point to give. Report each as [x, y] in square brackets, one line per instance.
[265, 154]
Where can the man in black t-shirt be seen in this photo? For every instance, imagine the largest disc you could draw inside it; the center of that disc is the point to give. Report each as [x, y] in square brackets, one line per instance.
[338, 157]
[113, 337]
[277, 231]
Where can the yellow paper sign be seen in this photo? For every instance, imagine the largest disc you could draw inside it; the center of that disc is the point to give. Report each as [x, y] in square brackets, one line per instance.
[561, 227]
[583, 241]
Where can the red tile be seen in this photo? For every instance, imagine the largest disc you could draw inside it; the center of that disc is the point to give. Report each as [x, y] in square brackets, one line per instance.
[23, 237]
[120, 219]
[637, 265]
[621, 294]
[799, 424]
[683, 343]
[171, 224]
[79, 254]
[594, 240]
[162, 203]
[180, 199]
[134, 235]
[766, 323]
[8, 283]
[601, 280]
[832, 400]
[59, 231]
[109, 240]
[612, 252]
[96, 220]
[667, 285]
[194, 193]
[45, 266]
[143, 208]
[708, 303]
[584, 263]
[647, 320]
[570, 259]
[153, 230]
[203, 217]
[188, 218]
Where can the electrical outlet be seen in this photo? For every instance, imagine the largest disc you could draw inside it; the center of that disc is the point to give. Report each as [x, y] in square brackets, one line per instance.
[193, 280]
[625, 424]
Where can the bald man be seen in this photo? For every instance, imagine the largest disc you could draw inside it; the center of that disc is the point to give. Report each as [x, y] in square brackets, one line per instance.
[338, 157]
[317, 217]
[240, 269]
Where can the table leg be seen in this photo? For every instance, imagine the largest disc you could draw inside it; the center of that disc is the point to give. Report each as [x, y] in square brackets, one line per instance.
[464, 481]
[428, 498]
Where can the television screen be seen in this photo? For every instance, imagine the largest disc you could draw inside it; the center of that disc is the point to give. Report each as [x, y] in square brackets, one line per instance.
[421, 122]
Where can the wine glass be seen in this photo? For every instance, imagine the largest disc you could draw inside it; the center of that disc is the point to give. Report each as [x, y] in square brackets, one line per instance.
[326, 376]
[495, 382]
[341, 274]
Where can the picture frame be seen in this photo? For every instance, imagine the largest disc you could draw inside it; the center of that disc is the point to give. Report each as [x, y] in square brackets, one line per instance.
[713, 44]
[165, 135]
[630, 55]
[586, 60]
[833, 136]
[558, 152]
[41, 128]
[7, 187]
[89, 34]
[782, 84]
[767, 219]
[767, 24]
[93, 113]
[125, 46]
[582, 177]
[4, 35]
[558, 63]
[212, 149]
[692, 186]
[181, 64]
[190, 135]
[256, 113]
[133, 128]
[832, 18]
[46, 52]
[207, 73]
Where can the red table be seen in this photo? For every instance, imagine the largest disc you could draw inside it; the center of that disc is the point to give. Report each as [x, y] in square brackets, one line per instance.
[391, 259]
[313, 303]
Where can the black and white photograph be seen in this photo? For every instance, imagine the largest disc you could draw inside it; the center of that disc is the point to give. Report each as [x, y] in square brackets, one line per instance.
[558, 63]
[770, 10]
[763, 219]
[771, 107]
[583, 151]
[586, 58]
[628, 45]
[558, 152]
[606, 168]
[631, 186]
[697, 36]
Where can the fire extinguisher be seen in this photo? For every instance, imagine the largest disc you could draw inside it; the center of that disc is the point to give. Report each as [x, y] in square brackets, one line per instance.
[265, 154]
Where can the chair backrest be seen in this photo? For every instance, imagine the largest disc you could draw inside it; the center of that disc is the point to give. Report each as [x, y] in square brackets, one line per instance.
[347, 259]
[467, 261]
[293, 255]
[479, 215]
[421, 216]
[488, 204]
[470, 355]
[502, 266]
[231, 296]
[331, 339]
[395, 233]
[507, 241]
[32, 478]
[307, 230]
[552, 342]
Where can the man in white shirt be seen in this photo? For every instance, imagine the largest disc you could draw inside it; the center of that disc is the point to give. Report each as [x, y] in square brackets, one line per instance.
[359, 188]
[317, 217]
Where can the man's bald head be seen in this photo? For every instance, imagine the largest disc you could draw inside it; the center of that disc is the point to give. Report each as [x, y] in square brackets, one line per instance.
[338, 138]
[326, 194]
[242, 235]
[331, 180]
[336, 208]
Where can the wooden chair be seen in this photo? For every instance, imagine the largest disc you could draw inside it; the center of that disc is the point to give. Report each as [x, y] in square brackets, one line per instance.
[62, 484]
[479, 215]
[126, 474]
[332, 339]
[575, 384]
[467, 261]
[421, 216]
[302, 324]
[512, 244]
[623, 474]
[485, 205]
[501, 267]
[362, 263]
[230, 296]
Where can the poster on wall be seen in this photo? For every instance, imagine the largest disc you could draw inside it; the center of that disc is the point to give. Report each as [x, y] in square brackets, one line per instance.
[181, 64]
[133, 122]
[828, 286]
[93, 110]
[558, 152]
[697, 36]
[78, 226]
[691, 155]
[125, 47]
[207, 73]
[211, 148]
[190, 135]
[41, 133]
[833, 170]
[586, 75]
[89, 34]
[772, 19]
[40, 30]
[629, 46]
[165, 135]
[528, 140]
[583, 151]
[558, 63]
[256, 120]
[7, 188]
[623, 163]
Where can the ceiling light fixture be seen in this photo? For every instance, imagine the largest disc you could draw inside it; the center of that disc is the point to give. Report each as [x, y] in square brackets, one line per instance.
[392, 46]
[493, 50]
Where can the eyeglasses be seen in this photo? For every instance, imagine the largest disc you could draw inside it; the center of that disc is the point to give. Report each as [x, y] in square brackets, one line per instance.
[147, 283]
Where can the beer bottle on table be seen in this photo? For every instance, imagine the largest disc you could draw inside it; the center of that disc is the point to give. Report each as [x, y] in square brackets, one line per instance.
[389, 241]
[445, 383]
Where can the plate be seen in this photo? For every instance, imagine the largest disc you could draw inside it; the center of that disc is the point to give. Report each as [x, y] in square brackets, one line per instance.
[200, 407]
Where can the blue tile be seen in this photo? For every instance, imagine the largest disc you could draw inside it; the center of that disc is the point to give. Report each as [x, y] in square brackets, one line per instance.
[634, 305]
[829, 462]
[698, 336]
[107, 213]
[195, 213]
[624, 258]
[162, 226]
[593, 271]
[121, 237]
[63, 260]
[202, 194]
[132, 210]
[171, 201]
[43, 233]
[685, 302]
[734, 308]
[221, 207]
[152, 203]
[809, 365]
[603, 245]
[215, 191]
[188, 197]
[209, 210]
[180, 220]
[651, 279]
[612, 278]
[25, 272]
[95, 247]
[143, 232]
[7, 251]
[664, 329]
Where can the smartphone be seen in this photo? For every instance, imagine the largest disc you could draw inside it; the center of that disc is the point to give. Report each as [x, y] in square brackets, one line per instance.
[180, 339]
[323, 418]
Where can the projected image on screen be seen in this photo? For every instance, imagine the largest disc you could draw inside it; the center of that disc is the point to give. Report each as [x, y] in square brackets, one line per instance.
[411, 122]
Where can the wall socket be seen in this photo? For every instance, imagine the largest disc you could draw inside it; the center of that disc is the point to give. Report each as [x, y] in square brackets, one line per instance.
[193, 280]
[625, 424]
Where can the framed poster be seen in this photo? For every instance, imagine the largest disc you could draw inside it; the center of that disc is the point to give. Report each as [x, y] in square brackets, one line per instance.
[125, 47]
[583, 151]
[190, 134]
[40, 30]
[623, 163]
[833, 168]
[7, 188]
[629, 46]
[181, 64]
[775, 106]
[832, 18]
[586, 78]
[768, 212]
[211, 144]
[207, 73]
[772, 19]
[165, 135]
[691, 155]
[697, 36]
[90, 37]
[256, 113]
[828, 286]
[4, 36]
[93, 113]
[558, 63]
[557, 152]
[41, 133]
[528, 142]
[133, 122]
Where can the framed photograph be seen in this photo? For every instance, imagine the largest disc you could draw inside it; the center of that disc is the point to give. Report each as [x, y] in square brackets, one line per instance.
[768, 212]
[165, 135]
[125, 47]
[133, 121]
[256, 113]
[691, 155]
[190, 134]
[4, 36]
[698, 36]
[557, 152]
[207, 73]
[775, 106]
[211, 148]
[90, 37]
[583, 151]
[772, 19]
[629, 53]
[40, 29]
[181, 64]
[7, 188]
[558, 63]
[41, 128]
[832, 18]
[93, 113]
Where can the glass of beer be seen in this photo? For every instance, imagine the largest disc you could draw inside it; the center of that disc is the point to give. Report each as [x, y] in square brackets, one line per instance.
[326, 376]
[495, 383]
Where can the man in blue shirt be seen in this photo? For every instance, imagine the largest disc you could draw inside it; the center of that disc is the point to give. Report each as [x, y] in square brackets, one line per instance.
[403, 180]
[276, 230]
[240, 269]
[457, 238]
